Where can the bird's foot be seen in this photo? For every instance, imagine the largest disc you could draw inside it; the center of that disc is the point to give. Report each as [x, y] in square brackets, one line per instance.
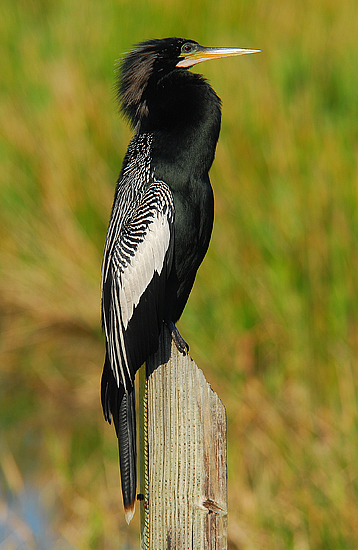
[177, 338]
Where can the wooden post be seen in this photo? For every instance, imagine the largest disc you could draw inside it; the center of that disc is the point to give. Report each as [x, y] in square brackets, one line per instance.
[184, 479]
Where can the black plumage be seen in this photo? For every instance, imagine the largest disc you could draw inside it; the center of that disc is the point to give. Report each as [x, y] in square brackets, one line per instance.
[161, 220]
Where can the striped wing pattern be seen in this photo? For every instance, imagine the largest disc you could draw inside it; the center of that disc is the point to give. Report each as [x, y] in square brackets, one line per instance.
[138, 251]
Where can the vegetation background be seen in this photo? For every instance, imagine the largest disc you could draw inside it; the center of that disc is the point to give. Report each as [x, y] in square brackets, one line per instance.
[273, 316]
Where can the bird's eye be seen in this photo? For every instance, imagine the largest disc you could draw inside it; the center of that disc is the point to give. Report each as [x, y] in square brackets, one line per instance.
[187, 48]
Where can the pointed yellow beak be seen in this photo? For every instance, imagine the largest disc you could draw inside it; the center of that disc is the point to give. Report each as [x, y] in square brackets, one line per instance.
[203, 54]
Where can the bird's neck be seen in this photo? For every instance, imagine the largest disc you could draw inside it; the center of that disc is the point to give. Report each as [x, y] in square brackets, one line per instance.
[183, 116]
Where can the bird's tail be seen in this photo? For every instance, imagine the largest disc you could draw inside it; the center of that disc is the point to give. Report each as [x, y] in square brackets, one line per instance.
[120, 404]
[126, 432]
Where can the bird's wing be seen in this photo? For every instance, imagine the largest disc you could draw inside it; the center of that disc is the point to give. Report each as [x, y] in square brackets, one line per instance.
[136, 265]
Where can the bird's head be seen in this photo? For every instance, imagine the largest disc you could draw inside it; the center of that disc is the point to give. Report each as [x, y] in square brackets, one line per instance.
[150, 61]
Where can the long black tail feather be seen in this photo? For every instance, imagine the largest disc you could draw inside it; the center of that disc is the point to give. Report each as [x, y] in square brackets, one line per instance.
[119, 404]
[127, 446]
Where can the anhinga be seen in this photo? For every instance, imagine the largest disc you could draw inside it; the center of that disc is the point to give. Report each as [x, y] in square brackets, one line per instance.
[161, 219]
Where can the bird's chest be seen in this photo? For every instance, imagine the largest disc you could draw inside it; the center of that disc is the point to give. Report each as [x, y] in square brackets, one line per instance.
[194, 214]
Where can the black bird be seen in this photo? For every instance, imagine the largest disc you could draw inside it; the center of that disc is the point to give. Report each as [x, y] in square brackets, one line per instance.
[161, 219]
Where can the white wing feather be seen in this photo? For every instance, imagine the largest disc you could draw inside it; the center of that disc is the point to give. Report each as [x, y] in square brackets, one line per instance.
[134, 252]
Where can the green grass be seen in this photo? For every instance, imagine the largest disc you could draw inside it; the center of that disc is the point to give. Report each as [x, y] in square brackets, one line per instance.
[273, 316]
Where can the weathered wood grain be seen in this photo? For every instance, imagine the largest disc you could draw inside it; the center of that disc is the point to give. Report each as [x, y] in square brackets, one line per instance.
[185, 501]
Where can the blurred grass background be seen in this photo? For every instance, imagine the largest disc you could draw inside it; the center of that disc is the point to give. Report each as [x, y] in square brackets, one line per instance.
[273, 317]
